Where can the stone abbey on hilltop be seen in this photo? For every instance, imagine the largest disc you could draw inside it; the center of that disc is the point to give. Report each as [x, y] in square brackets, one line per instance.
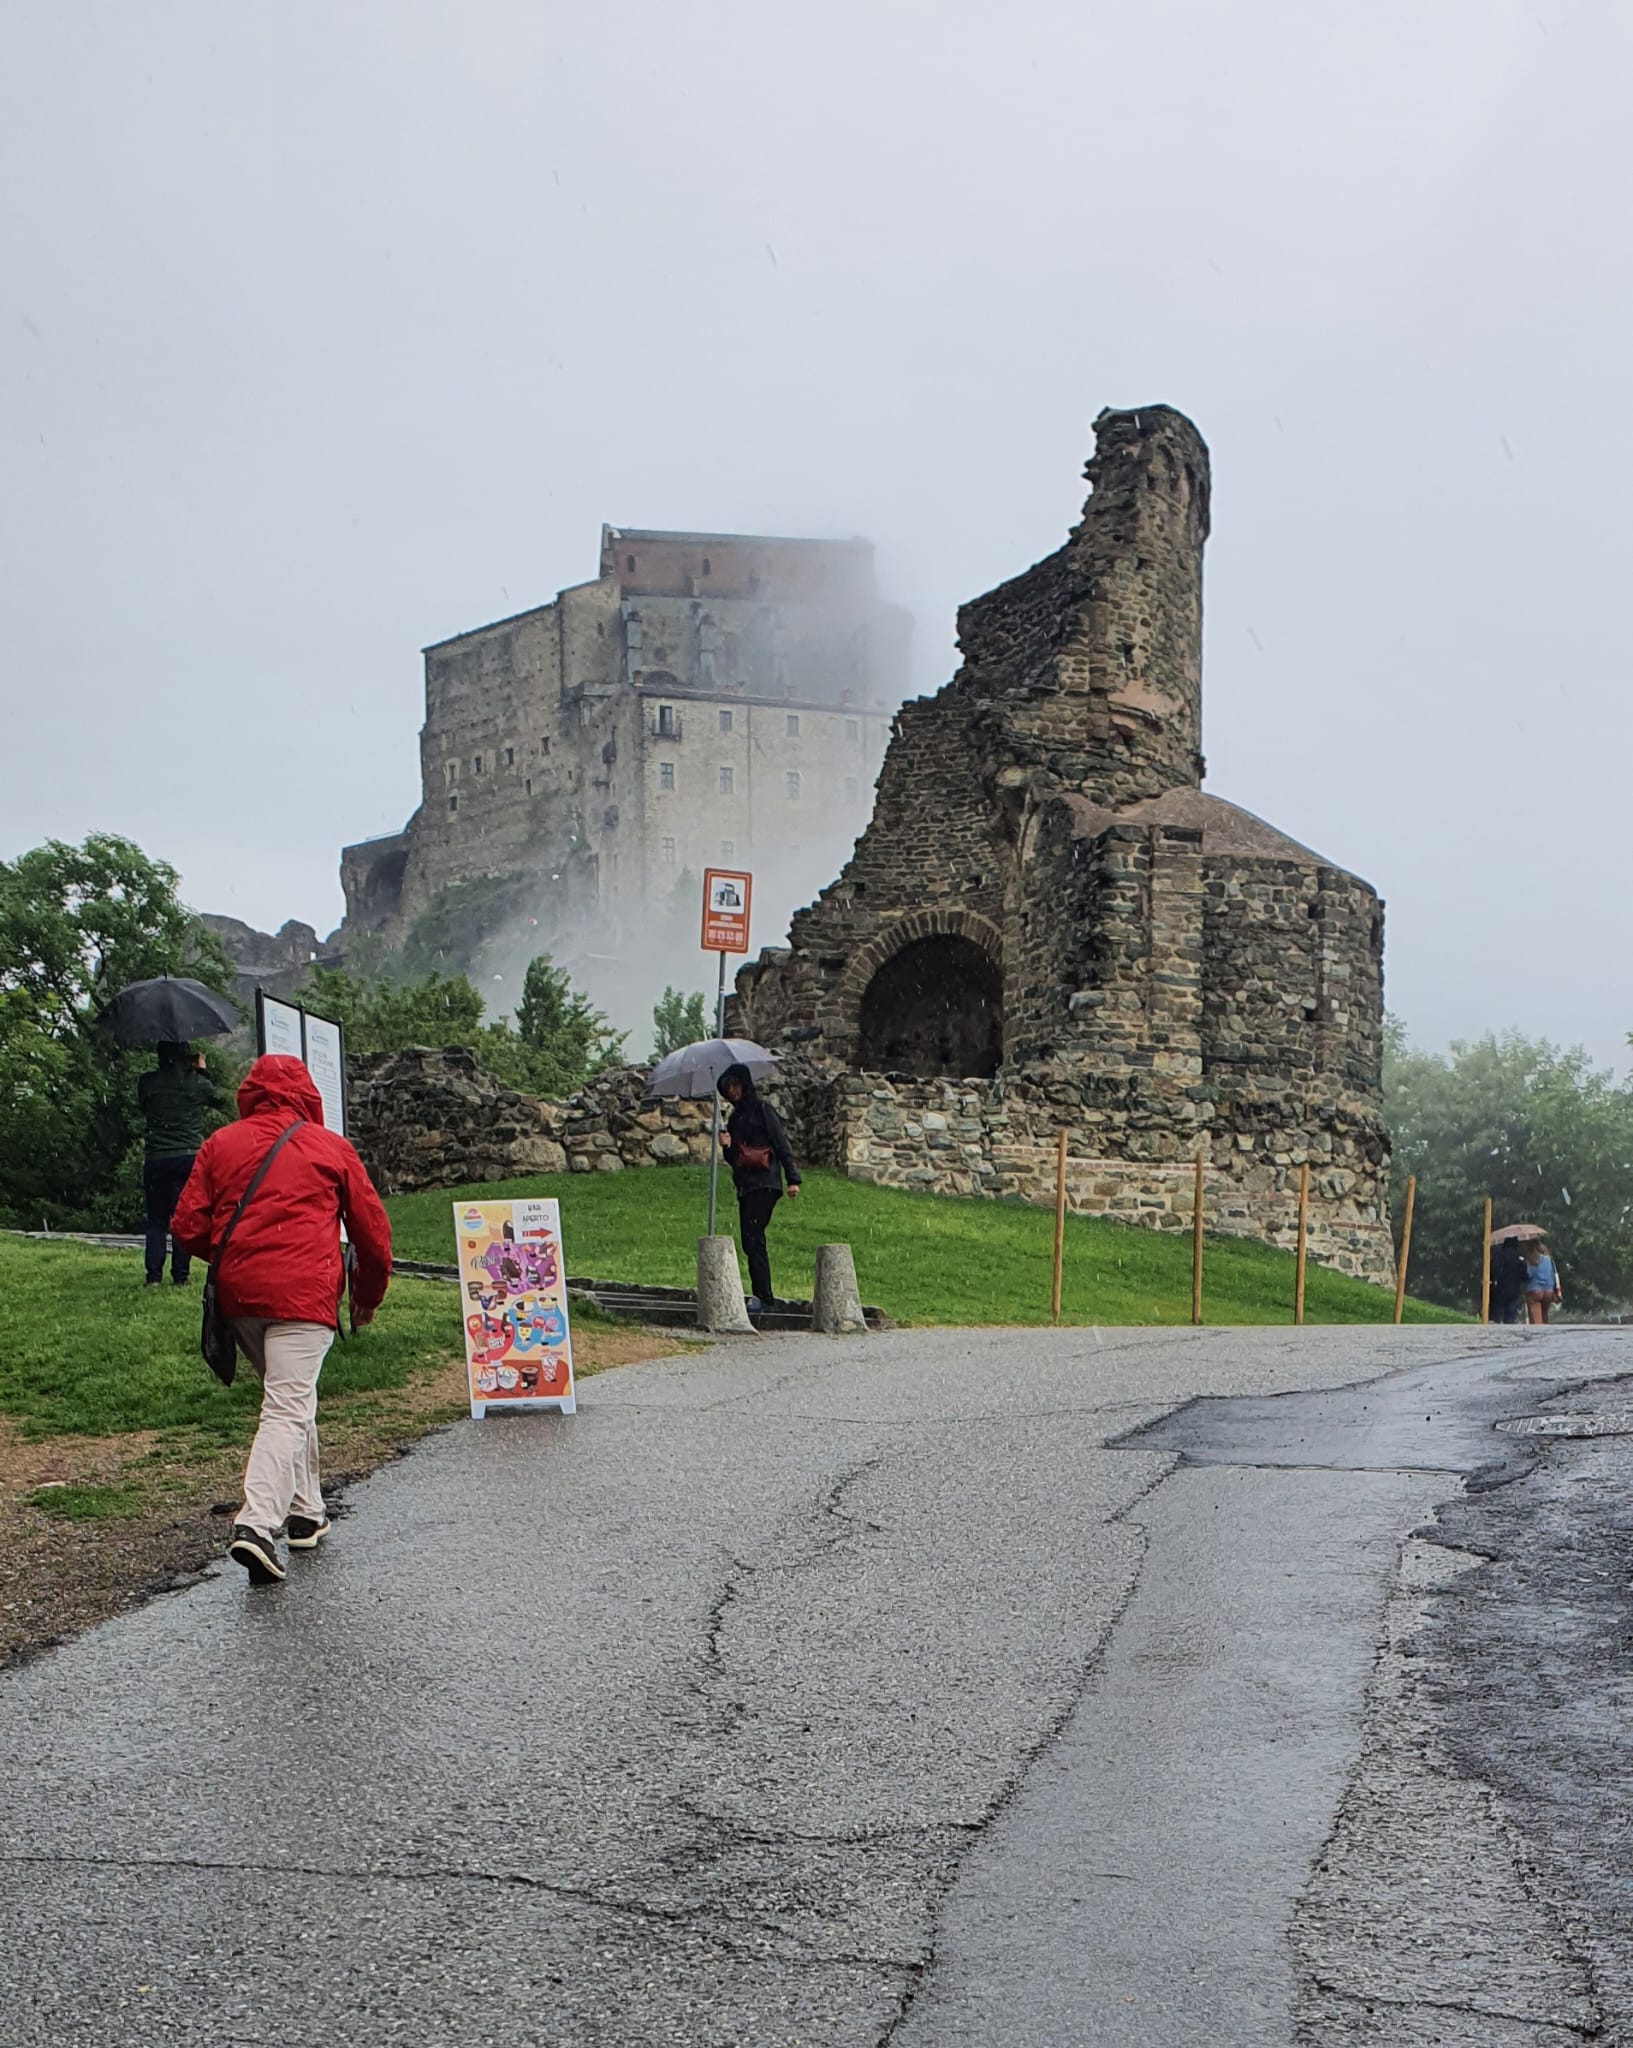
[1048, 924]
[707, 699]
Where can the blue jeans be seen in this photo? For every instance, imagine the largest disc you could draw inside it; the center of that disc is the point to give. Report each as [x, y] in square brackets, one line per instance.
[162, 1183]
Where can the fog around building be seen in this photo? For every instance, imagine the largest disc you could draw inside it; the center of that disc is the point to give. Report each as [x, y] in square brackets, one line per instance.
[327, 333]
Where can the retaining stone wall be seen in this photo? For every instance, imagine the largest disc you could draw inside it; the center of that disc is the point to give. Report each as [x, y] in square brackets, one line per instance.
[434, 1118]
[998, 1138]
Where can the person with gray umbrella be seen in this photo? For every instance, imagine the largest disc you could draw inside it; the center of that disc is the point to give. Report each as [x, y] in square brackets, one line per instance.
[761, 1160]
[176, 1098]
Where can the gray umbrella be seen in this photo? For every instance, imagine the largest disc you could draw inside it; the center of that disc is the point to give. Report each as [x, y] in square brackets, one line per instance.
[148, 1012]
[694, 1070]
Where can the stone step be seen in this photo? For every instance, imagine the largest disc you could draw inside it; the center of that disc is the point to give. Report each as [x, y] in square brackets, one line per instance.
[661, 1307]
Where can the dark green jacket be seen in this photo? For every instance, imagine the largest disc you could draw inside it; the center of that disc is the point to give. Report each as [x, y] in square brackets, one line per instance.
[176, 1103]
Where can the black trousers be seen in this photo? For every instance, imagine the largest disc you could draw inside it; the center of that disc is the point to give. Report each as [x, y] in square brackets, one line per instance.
[754, 1209]
[162, 1183]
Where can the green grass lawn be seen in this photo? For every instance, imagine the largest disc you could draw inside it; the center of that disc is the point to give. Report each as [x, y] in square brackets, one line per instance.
[86, 1349]
[921, 1258]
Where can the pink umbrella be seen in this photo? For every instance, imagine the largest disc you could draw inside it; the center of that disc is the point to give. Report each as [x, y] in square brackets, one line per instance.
[1519, 1233]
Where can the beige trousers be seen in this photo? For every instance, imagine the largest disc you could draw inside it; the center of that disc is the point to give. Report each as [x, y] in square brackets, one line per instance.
[282, 1475]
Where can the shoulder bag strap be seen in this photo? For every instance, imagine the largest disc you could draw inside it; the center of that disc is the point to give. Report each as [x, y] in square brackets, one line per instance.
[256, 1179]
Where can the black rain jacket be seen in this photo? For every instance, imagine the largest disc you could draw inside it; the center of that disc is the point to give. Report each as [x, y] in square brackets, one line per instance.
[754, 1122]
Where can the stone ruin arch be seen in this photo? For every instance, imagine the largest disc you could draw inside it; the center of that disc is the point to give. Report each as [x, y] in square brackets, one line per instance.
[927, 997]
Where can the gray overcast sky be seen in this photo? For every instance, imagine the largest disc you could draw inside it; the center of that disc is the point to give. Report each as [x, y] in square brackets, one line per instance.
[327, 330]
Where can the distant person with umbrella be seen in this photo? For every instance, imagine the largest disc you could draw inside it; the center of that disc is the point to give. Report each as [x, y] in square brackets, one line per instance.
[761, 1160]
[1542, 1288]
[176, 1098]
[1507, 1281]
[1518, 1257]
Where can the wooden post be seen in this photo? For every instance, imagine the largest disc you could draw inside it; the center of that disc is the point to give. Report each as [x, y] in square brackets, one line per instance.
[1060, 1226]
[1196, 1245]
[1303, 1218]
[1485, 1265]
[1406, 1245]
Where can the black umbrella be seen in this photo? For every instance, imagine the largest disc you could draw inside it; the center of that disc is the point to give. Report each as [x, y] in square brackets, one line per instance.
[149, 1012]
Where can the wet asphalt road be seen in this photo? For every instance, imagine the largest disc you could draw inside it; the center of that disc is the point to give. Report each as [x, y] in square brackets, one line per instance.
[900, 1690]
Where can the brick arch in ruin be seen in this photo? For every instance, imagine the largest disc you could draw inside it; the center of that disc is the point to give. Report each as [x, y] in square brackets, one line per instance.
[927, 996]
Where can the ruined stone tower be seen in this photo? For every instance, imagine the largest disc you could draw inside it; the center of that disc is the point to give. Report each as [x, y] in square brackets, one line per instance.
[1048, 924]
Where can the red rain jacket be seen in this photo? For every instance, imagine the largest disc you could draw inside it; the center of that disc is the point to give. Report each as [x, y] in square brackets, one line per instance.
[284, 1260]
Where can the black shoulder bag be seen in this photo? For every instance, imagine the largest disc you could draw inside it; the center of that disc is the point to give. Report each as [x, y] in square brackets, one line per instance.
[218, 1340]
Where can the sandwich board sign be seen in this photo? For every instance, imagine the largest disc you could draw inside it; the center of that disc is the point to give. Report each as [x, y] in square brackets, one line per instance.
[513, 1293]
[726, 896]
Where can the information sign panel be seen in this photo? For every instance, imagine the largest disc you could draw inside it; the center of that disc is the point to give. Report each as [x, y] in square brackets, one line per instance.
[319, 1046]
[726, 896]
[280, 1027]
[325, 1062]
[513, 1290]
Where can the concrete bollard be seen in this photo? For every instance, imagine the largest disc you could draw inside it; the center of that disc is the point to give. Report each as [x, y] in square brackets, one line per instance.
[720, 1306]
[836, 1303]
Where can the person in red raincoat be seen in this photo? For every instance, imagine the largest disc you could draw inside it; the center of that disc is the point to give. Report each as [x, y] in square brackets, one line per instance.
[280, 1284]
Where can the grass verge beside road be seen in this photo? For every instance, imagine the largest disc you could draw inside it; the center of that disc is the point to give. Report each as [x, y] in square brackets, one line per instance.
[119, 1450]
[921, 1258]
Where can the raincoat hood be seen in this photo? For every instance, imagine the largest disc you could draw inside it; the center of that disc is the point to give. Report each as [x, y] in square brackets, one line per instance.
[279, 1081]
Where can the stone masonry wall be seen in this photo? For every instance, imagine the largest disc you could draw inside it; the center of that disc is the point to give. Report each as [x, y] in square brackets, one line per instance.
[998, 1138]
[433, 1118]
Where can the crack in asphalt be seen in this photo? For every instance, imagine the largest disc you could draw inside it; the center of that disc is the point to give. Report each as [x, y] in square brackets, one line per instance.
[1368, 2000]
[583, 1895]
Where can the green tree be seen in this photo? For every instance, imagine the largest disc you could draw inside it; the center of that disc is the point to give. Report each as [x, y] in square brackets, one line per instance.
[386, 1016]
[1542, 1131]
[76, 924]
[677, 1020]
[560, 1038]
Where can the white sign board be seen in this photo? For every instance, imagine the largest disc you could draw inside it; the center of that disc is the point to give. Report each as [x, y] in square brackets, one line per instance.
[286, 1028]
[324, 1064]
[280, 1027]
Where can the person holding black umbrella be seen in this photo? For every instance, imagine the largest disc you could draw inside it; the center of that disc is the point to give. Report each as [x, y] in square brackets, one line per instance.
[176, 1098]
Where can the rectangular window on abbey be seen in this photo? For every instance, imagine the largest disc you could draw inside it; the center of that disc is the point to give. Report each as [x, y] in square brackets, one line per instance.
[725, 721]
[453, 803]
[727, 779]
[510, 757]
[666, 775]
[791, 784]
[853, 728]
[544, 744]
[793, 725]
[669, 853]
[476, 764]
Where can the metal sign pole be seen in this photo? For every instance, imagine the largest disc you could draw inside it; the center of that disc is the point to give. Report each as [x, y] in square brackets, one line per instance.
[714, 1121]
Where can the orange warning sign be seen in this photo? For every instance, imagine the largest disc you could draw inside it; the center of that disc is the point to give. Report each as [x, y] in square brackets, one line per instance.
[726, 896]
